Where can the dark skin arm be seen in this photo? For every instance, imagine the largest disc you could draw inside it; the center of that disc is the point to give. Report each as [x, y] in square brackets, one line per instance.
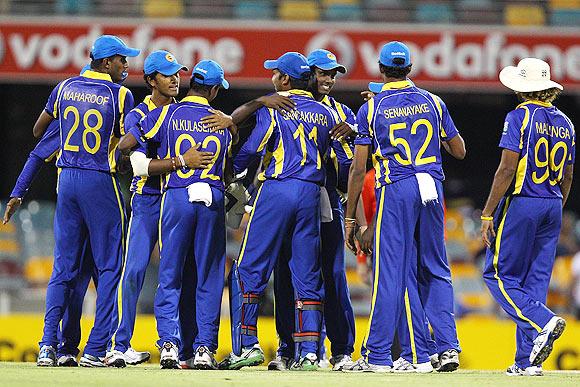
[274, 101]
[367, 238]
[218, 120]
[341, 130]
[42, 122]
[456, 147]
[11, 207]
[356, 178]
[567, 183]
[503, 178]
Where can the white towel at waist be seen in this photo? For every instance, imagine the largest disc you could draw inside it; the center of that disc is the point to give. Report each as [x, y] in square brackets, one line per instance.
[427, 188]
[200, 192]
[325, 207]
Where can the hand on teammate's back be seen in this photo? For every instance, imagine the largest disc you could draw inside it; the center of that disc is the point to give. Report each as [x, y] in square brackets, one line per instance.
[367, 94]
[486, 231]
[279, 102]
[218, 120]
[11, 207]
[196, 159]
[341, 130]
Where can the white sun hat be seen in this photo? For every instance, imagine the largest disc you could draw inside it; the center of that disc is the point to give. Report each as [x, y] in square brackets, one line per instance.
[531, 74]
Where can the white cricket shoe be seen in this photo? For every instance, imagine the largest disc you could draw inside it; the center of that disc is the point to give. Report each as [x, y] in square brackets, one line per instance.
[323, 362]
[339, 361]
[514, 370]
[116, 359]
[434, 360]
[544, 342]
[362, 366]
[46, 357]
[91, 361]
[169, 358]
[449, 361]
[133, 357]
[204, 359]
[280, 363]
[67, 361]
[402, 365]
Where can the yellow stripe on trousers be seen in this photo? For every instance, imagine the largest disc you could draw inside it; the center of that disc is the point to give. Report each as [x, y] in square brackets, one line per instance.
[376, 253]
[410, 325]
[495, 264]
[123, 254]
[243, 249]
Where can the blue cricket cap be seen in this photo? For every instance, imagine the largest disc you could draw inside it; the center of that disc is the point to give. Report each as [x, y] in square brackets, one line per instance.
[325, 60]
[163, 62]
[393, 50]
[210, 73]
[109, 45]
[376, 87]
[292, 63]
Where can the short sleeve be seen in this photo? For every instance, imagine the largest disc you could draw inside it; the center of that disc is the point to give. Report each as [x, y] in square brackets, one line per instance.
[256, 142]
[49, 144]
[52, 103]
[572, 156]
[363, 119]
[448, 128]
[126, 104]
[512, 134]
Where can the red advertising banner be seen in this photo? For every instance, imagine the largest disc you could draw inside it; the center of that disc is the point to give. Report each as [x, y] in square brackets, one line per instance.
[464, 58]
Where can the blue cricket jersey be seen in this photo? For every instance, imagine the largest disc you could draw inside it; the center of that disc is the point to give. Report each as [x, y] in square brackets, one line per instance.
[296, 143]
[341, 154]
[177, 127]
[150, 185]
[545, 139]
[91, 110]
[404, 125]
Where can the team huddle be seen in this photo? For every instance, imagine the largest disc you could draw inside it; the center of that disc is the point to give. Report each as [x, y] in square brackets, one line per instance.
[309, 152]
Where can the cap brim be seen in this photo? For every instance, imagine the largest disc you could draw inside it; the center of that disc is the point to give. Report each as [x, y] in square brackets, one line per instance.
[271, 64]
[331, 66]
[510, 77]
[130, 52]
[376, 87]
[225, 84]
[173, 68]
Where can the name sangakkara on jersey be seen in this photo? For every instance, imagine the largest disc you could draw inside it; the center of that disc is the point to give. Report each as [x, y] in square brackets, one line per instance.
[305, 116]
[85, 97]
[552, 131]
[405, 111]
[192, 126]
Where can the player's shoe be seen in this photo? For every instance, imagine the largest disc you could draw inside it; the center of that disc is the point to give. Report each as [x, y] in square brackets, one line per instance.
[449, 361]
[323, 362]
[514, 370]
[46, 356]
[91, 361]
[340, 361]
[186, 364]
[544, 342]
[280, 363]
[204, 359]
[362, 366]
[133, 357]
[250, 357]
[116, 359]
[402, 365]
[434, 360]
[67, 361]
[169, 358]
[306, 363]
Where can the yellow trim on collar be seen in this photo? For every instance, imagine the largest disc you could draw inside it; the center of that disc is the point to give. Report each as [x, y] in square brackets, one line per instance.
[544, 104]
[96, 75]
[397, 85]
[196, 99]
[150, 104]
[300, 92]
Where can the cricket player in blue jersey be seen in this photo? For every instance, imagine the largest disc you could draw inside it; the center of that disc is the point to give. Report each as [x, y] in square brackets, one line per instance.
[69, 332]
[521, 226]
[402, 128]
[338, 312]
[192, 227]
[91, 110]
[296, 144]
[161, 74]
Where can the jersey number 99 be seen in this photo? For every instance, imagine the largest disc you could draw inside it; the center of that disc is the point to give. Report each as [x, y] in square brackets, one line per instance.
[548, 161]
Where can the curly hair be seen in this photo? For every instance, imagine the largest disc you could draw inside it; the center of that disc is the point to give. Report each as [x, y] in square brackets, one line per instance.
[547, 95]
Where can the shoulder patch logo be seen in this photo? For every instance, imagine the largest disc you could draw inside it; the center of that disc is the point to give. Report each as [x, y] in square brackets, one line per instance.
[505, 128]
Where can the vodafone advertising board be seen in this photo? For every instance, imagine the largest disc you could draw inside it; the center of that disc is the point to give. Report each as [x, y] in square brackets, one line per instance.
[48, 50]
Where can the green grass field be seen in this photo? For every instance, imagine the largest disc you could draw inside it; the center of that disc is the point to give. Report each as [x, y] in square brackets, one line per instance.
[27, 374]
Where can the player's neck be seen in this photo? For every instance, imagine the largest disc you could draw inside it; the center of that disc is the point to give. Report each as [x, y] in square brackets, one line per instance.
[389, 79]
[159, 99]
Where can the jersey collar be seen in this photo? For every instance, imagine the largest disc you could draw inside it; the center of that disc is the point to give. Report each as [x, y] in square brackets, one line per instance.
[196, 99]
[397, 85]
[96, 75]
[150, 104]
[544, 104]
[300, 92]
[326, 100]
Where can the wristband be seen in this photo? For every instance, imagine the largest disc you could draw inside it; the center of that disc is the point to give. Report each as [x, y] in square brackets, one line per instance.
[490, 218]
[349, 219]
[173, 166]
[181, 161]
